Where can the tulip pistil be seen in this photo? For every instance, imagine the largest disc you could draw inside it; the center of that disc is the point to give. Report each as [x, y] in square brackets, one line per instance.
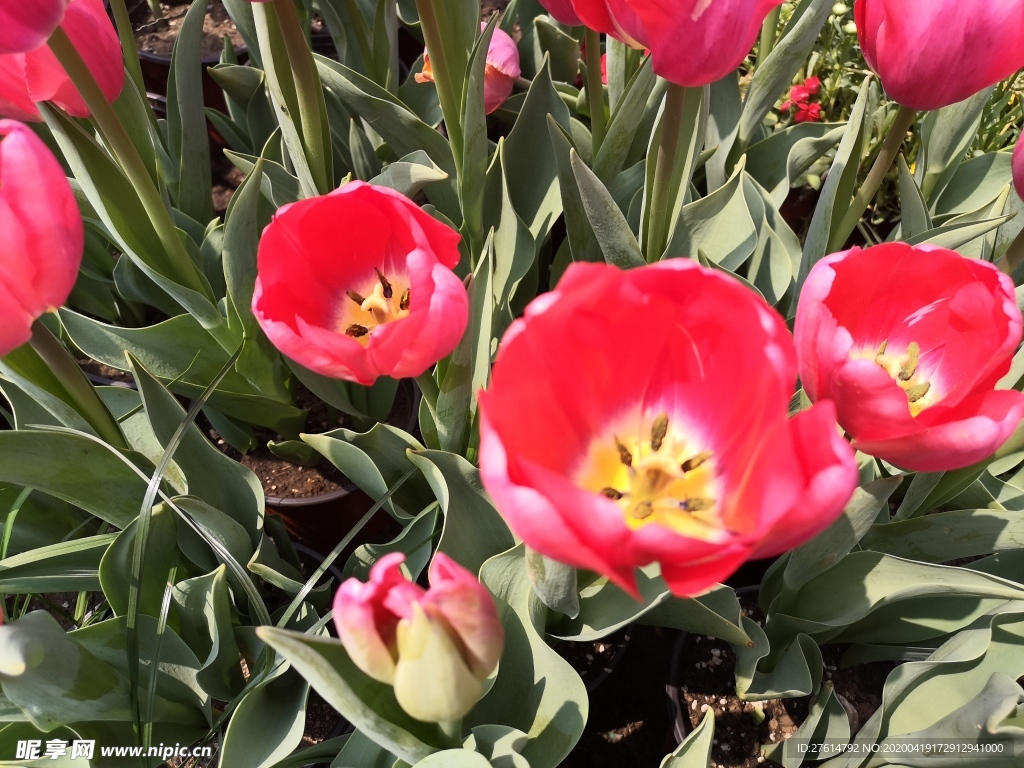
[656, 473]
[375, 306]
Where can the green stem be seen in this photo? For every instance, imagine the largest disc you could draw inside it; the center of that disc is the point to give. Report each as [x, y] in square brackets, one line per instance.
[886, 157]
[451, 102]
[452, 731]
[310, 94]
[126, 34]
[595, 88]
[361, 31]
[80, 391]
[176, 262]
[769, 32]
[665, 173]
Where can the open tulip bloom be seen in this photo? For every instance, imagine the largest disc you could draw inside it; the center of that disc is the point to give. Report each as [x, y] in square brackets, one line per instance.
[358, 284]
[909, 343]
[641, 416]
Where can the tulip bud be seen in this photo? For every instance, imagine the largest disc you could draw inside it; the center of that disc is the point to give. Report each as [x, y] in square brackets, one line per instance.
[436, 647]
[42, 230]
[500, 72]
[1018, 167]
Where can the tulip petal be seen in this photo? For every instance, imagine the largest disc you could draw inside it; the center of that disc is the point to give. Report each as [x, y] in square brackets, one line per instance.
[26, 26]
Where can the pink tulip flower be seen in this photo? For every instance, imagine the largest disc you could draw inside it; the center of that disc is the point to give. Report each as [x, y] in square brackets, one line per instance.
[933, 53]
[436, 646]
[24, 26]
[358, 284]
[692, 42]
[639, 417]
[909, 343]
[36, 75]
[500, 71]
[42, 230]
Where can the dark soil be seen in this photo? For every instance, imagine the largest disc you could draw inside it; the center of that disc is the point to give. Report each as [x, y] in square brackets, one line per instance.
[282, 479]
[490, 7]
[859, 687]
[157, 35]
[629, 722]
[98, 370]
[323, 721]
[226, 180]
[596, 660]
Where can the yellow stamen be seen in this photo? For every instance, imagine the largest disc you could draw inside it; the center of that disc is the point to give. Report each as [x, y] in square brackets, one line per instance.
[918, 391]
[643, 510]
[624, 455]
[910, 367]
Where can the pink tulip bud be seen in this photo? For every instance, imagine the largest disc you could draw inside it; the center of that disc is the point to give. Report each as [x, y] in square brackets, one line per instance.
[500, 72]
[640, 417]
[911, 359]
[36, 75]
[1018, 166]
[934, 53]
[436, 646]
[358, 284]
[24, 26]
[42, 231]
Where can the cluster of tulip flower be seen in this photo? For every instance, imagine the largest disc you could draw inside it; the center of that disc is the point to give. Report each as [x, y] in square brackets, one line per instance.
[633, 416]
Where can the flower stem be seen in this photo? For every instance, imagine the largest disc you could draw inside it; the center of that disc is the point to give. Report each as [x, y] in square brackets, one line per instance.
[451, 102]
[316, 137]
[665, 174]
[81, 395]
[595, 88]
[769, 32]
[452, 730]
[127, 36]
[886, 157]
[176, 262]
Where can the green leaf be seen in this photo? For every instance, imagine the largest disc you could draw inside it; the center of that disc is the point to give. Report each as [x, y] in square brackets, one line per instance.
[186, 120]
[554, 583]
[515, 253]
[778, 161]
[776, 72]
[170, 351]
[410, 174]
[580, 238]
[68, 566]
[75, 469]
[695, 750]
[946, 135]
[202, 606]
[913, 208]
[531, 170]
[212, 476]
[536, 690]
[622, 128]
[946, 536]
[473, 530]
[115, 570]
[277, 185]
[726, 106]
[415, 542]
[369, 705]
[719, 225]
[617, 241]
[456, 758]
[838, 188]
[268, 723]
[475, 147]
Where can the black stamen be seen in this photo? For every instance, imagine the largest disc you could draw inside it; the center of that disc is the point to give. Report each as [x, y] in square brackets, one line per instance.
[355, 330]
[696, 504]
[658, 431]
[403, 304]
[624, 455]
[691, 464]
[355, 297]
[388, 293]
[611, 493]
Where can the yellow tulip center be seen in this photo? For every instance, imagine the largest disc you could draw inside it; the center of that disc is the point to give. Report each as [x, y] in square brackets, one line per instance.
[904, 368]
[656, 474]
[380, 302]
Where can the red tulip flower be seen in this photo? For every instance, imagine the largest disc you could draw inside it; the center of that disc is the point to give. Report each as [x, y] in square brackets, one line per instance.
[36, 75]
[435, 646]
[42, 230]
[500, 71]
[692, 42]
[641, 416]
[909, 343]
[563, 12]
[933, 53]
[25, 26]
[358, 284]
[1018, 167]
